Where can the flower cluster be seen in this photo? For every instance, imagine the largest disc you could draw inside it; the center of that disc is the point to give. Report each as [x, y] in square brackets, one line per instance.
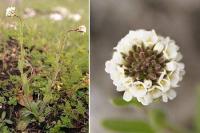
[146, 66]
[11, 11]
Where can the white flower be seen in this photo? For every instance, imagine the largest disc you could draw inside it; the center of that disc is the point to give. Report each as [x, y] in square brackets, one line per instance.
[29, 13]
[11, 11]
[165, 84]
[177, 75]
[56, 16]
[82, 29]
[139, 89]
[171, 66]
[171, 49]
[155, 91]
[146, 66]
[146, 100]
[159, 47]
[171, 94]
[128, 95]
[75, 17]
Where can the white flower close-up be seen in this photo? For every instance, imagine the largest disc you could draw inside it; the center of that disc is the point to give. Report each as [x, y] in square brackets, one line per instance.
[11, 11]
[146, 66]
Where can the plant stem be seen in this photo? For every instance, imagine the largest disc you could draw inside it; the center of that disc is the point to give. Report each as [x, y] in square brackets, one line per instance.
[58, 56]
[25, 86]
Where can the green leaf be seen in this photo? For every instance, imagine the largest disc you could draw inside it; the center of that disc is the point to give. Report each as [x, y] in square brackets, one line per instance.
[159, 116]
[8, 121]
[127, 126]
[120, 102]
[3, 115]
[158, 119]
[23, 124]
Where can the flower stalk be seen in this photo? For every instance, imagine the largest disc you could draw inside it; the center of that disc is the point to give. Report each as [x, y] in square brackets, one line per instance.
[11, 12]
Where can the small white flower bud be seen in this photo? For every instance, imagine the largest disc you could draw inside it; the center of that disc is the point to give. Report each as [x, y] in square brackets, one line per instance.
[82, 29]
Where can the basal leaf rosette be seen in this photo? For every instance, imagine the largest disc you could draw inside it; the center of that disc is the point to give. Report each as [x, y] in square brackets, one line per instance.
[146, 66]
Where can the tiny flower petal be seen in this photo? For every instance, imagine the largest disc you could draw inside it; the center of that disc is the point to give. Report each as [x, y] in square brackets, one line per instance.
[155, 91]
[171, 50]
[159, 47]
[165, 85]
[171, 66]
[171, 94]
[127, 96]
[146, 100]
[139, 89]
[162, 76]
[179, 56]
[117, 58]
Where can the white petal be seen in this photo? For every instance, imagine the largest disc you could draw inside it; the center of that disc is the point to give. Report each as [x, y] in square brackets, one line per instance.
[162, 75]
[125, 44]
[149, 38]
[165, 98]
[155, 91]
[120, 87]
[117, 58]
[146, 100]
[171, 51]
[148, 83]
[110, 67]
[179, 56]
[174, 78]
[171, 94]
[127, 96]
[139, 89]
[165, 85]
[171, 66]
[159, 47]
[180, 66]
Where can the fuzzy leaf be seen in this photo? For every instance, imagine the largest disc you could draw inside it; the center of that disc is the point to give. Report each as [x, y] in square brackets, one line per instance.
[8, 121]
[3, 115]
[127, 126]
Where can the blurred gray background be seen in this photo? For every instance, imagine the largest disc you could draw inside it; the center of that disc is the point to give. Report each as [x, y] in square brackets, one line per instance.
[111, 20]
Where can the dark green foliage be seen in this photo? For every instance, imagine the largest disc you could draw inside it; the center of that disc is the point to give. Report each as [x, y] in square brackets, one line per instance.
[53, 108]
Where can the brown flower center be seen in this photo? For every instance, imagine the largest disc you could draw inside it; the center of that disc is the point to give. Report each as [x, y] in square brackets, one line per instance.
[144, 63]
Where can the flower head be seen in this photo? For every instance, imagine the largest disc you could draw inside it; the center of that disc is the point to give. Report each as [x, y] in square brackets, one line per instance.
[11, 11]
[146, 66]
[82, 29]
[29, 13]
[56, 17]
